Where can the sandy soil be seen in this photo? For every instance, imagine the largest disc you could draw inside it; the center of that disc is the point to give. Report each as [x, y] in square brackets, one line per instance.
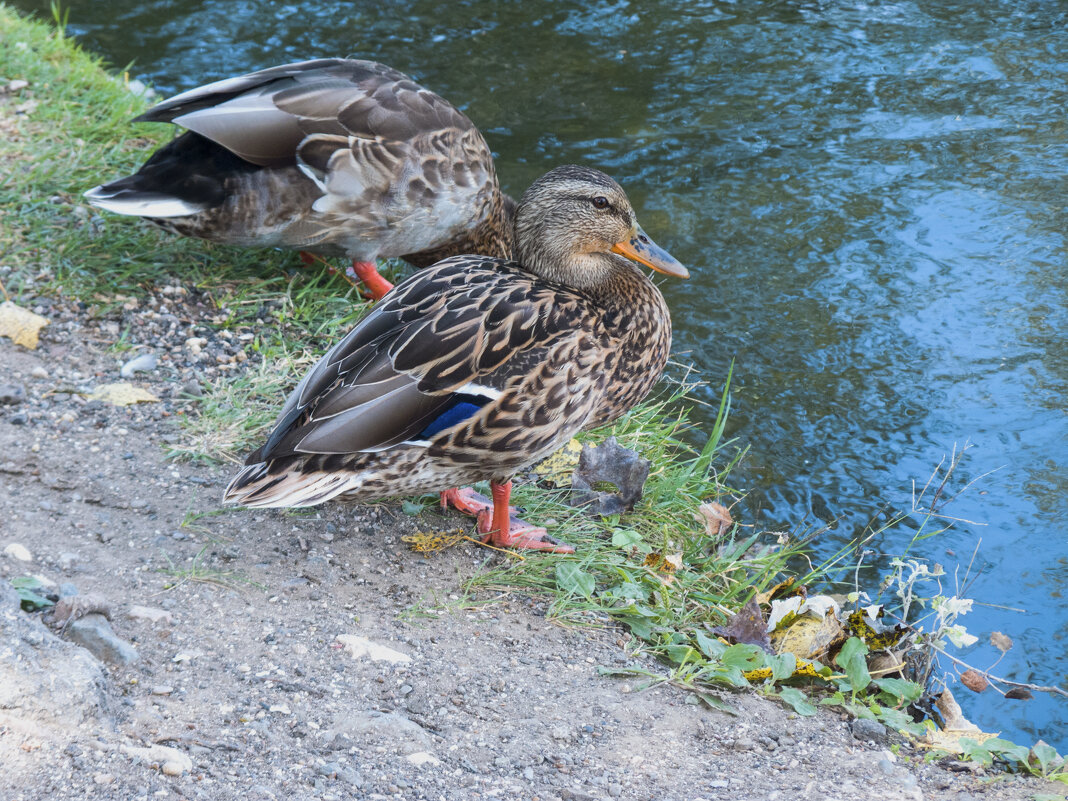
[254, 682]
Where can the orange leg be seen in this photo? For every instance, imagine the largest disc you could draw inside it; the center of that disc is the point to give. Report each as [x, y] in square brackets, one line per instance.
[467, 501]
[504, 530]
[367, 272]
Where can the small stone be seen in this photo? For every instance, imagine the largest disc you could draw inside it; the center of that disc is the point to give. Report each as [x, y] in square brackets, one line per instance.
[615, 789]
[864, 729]
[171, 761]
[12, 394]
[744, 744]
[360, 647]
[139, 364]
[94, 633]
[105, 536]
[162, 689]
[192, 388]
[18, 551]
[39, 372]
[103, 778]
[420, 758]
[149, 613]
[67, 560]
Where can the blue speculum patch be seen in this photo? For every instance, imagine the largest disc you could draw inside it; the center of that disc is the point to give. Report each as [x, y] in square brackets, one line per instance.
[462, 407]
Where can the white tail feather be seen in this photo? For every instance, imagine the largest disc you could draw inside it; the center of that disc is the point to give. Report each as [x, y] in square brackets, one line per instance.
[295, 489]
[143, 204]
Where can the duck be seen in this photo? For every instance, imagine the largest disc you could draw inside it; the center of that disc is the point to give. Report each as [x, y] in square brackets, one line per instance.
[477, 367]
[332, 157]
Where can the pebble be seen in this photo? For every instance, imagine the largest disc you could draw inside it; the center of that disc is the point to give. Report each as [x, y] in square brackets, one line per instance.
[162, 689]
[744, 744]
[39, 372]
[360, 647]
[192, 387]
[864, 729]
[18, 551]
[139, 364]
[103, 778]
[149, 613]
[420, 758]
[12, 394]
[94, 633]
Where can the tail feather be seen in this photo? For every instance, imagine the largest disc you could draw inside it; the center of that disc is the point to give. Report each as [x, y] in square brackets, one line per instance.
[258, 485]
[141, 203]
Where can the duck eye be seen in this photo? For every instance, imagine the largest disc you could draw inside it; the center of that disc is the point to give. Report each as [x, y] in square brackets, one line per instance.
[600, 202]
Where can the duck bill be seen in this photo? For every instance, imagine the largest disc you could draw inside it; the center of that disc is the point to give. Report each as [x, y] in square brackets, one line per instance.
[642, 249]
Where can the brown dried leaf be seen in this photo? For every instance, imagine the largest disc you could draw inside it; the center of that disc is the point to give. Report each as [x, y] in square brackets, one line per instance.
[1019, 694]
[952, 714]
[974, 680]
[716, 518]
[612, 463]
[886, 664]
[748, 626]
[20, 325]
[1000, 641]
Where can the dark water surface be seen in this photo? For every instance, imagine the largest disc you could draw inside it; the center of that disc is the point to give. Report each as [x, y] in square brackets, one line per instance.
[871, 199]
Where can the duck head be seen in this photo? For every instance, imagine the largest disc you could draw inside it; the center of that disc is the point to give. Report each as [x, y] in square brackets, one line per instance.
[574, 223]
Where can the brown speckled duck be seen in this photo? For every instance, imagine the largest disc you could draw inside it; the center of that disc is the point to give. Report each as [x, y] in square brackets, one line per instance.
[335, 157]
[478, 367]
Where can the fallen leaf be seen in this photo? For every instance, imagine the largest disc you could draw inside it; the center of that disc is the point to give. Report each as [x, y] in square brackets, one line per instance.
[781, 589]
[121, 394]
[818, 605]
[612, 463]
[956, 728]
[1019, 694]
[952, 715]
[974, 680]
[556, 469]
[20, 325]
[716, 517]
[885, 665]
[748, 626]
[1000, 641]
[809, 636]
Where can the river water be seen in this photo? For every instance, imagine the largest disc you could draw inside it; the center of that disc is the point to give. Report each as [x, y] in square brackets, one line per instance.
[871, 199]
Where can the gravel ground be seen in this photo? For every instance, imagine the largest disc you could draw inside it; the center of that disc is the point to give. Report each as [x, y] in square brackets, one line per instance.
[280, 658]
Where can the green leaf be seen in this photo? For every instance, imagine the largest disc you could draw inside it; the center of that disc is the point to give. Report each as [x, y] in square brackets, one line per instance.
[1045, 754]
[681, 654]
[901, 690]
[572, 578]
[976, 751]
[797, 700]
[716, 703]
[411, 508]
[743, 657]
[1008, 750]
[29, 599]
[625, 538]
[782, 666]
[852, 660]
[710, 647]
[833, 700]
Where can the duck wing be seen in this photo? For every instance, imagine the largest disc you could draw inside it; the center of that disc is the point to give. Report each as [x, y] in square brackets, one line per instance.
[442, 345]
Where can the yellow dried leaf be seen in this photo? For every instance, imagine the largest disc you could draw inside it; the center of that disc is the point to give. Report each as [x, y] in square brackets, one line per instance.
[556, 470]
[121, 394]
[809, 636]
[956, 727]
[431, 542]
[20, 325]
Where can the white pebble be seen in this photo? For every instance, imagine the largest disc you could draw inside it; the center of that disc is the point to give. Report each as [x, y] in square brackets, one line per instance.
[18, 551]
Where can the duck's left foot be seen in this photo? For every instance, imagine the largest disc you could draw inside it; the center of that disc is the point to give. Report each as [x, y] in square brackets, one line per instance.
[504, 530]
[520, 534]
[366, 272]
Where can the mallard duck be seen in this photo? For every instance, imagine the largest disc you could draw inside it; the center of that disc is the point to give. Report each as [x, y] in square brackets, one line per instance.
[478, 367]
[334, 157]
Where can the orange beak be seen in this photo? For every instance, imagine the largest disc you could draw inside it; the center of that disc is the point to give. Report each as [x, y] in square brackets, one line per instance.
[642, 249]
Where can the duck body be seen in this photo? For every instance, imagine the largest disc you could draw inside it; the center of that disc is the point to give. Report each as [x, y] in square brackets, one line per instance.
[478, 367]
[336, 157]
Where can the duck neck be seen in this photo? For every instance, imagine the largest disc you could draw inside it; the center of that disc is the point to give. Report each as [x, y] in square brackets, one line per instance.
[637, 318]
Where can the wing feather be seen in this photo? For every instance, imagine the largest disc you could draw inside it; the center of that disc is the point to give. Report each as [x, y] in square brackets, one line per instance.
[405, 364]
